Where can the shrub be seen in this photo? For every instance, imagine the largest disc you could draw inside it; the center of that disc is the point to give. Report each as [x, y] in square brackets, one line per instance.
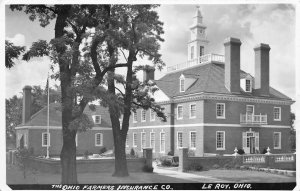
[132, 152]
[86, 154]
[147, 169]
[191, 153]
[166, 162]
[171, 153]
[241, 151]
[195, 167]
[227, 166]
[103, 150]
[264, 151]
[175, 164]
[22, 156]
[237, 166]
[216, 166]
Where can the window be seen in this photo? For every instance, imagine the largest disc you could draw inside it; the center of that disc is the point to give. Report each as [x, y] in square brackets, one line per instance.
[152, 115]
[143, 115]
[248, 87]
[192, 52]
[143, 140]
[192, 139]
[179, 112]
[193, 111]
[220, 110]
[220, 140]
[98, 139]
[201, 49]
[127, 141]
[76, 139]
[277, 140]
[179, 140]
[134, 117]
[277, 113]
[250, 109]
[162, 142]
[45, 139]
[152, 140]
[97, 119]
[26, 139]
[134, 140]
[181, 84]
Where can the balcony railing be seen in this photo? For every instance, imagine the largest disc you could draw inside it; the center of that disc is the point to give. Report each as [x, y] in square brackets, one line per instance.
[253, 119]
[200, 60]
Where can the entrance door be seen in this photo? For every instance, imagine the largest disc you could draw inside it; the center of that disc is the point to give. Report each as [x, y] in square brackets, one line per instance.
[252, 145]
[250, 141]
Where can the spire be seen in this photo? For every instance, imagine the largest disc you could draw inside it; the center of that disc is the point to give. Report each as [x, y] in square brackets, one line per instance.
[198, 16]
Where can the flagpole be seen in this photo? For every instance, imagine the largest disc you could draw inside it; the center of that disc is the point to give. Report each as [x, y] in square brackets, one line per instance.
[48, 141]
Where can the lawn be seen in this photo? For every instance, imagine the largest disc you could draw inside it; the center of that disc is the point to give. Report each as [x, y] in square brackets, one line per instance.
[246, 176]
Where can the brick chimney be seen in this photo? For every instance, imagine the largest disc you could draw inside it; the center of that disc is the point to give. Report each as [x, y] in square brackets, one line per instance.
[148, 73]
[262, 79]
[232, 64]
[26, 104]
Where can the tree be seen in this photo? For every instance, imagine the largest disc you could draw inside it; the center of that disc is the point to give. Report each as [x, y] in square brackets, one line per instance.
[80, 71]
[12, 52]
[136, 29]
[292, 137]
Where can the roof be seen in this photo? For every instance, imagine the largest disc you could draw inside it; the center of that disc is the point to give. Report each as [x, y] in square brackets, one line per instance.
[55, 116]
[209, 78]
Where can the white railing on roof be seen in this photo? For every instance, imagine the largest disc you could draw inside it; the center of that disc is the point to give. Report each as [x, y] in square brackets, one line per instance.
[253, 119]
[200, 60]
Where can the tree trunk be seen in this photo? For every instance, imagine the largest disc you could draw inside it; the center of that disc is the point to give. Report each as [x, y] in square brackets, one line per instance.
[121, 169]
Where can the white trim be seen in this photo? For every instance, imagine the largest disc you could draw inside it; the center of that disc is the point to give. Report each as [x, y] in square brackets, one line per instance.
[190, 110]
[143, 120]
[177, 112]
[142, 140]
[279, 119]
[94, 118]
[190, 140]
[152, 112]
[59, 127]
[224, 108]
[223, 148]
[253, 108]
[178, 147]
[208, 125]
[76, 140]
[101, 140]
[152, 146]
[161, 144]
[48, 141]
[134, 145]
[279, 144]
[250, 85]
[133, 117]
[181, 78]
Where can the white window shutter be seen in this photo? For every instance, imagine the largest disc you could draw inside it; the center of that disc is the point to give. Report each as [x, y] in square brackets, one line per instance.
[257, 141]
[244, 140]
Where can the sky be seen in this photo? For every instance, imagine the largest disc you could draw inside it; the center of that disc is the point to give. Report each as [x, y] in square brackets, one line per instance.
[273, 24]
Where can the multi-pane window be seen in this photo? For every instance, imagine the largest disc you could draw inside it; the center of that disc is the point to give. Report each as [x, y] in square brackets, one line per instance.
[277, 113]
[143, 115]
[250, 109]
[179, 112]
[193, 111]
[220, 140]
[179, 140]
[45, 139]
[143, 140]
[192, 139]
[201, 50]
[134, 140]
[220, 110]
[248, 87]
[127, 141]
[162, 142]
[134, 117]
[152, 140]
[97, 119]
[152, 115]
[98, 139]
[277, 140]
[181, 84]
[192, 52]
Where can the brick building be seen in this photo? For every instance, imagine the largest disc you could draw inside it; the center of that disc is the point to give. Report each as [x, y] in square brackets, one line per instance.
[32, 133]
[212, 105]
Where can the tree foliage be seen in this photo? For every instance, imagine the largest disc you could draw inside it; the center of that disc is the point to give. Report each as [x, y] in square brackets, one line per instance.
[12, 52]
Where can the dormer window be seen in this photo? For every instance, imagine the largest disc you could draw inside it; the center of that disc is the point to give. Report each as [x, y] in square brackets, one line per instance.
[181, 83]
[248, 85]
[97, 119]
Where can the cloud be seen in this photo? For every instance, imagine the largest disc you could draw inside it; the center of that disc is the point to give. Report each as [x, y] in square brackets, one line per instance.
[18, 39]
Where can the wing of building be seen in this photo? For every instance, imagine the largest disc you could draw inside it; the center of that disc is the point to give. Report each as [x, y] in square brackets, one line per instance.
[32, 133]
[212, 105]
